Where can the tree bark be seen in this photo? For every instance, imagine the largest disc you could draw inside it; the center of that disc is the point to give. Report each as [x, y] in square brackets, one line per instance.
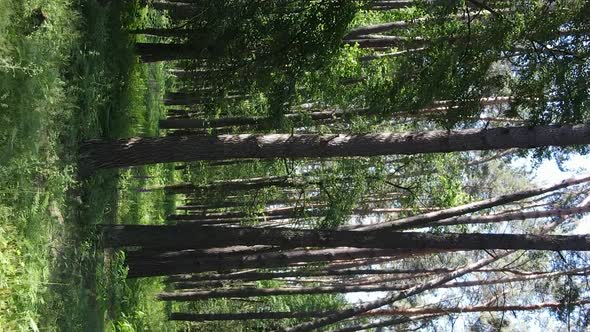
[254, 275]
[250, 275]
[384, 42]
[390, 5]
[265, 260]
[482, 308]
[231, 185]
[164, 32]
[177, 9]
[185, 316]
[285, 212]
[188, 99]
[467, 220]
[155, 52]
[184, 236]
[395, 25]
[250, 292]
[258, 122]
[210, 123]
[97, 154]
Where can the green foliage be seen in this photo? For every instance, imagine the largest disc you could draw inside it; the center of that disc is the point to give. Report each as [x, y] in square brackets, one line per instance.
[292, 303]
[34, 103]
[68, 78]
[552, 71]
[342, 185]
[278, 42]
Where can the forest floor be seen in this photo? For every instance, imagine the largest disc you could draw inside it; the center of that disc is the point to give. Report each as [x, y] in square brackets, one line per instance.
[67, 73]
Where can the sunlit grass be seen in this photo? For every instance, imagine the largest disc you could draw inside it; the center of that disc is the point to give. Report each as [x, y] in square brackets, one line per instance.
[69, 78]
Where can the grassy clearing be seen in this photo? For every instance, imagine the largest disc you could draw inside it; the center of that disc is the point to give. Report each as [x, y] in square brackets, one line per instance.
[72, 77]
[36, 106]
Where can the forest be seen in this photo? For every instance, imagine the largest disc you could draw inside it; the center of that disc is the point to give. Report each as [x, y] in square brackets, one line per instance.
[294, 165]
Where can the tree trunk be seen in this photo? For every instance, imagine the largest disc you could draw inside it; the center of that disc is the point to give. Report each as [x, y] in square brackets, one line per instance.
[247, 201]
[376, 28]
[154, 52]
[210, 123]
[185, 236]
[258, 122]
[97, 154]
[266, 260]
[177, 9]
[495, 156]
[250, 275]
[283, 212]
[188, 99]
[254, 275]
[466, 220]
[482, 308]
[286, 212]
[250, 292]
[164, 32]
[390, 5]
[395, 25]
[230, 185]
[384, 42]
[162, 254]
[196, 74]
[184, 316]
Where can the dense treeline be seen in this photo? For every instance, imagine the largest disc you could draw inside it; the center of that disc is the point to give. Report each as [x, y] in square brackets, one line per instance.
[362, 146]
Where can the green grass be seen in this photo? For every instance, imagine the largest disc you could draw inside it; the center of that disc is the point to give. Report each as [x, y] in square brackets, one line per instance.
[71, 78]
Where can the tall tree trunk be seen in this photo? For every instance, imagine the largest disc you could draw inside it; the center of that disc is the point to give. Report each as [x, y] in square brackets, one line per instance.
[385, 42]
[286, 212]
[390, 4]
[251, 292]
[376, 28]
[249, 275]
[254, 275]
[265, 260]
[197, 219]
[185, 316]
[155, 52]
[342, 288]
[257, 122]
[384, 323]
[196, 74]
[249, 201]
[481, 308]
[97, 154]
[495, 156]
[188, 99]
[231, 185]
[165, 32]
[210, 123]
[184, 236]
[465, 220]
[357, 33]
[160, 255]
[177, 9]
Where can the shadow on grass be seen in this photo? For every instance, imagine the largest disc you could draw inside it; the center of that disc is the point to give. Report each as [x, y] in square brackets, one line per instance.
[70, 78]
[88, 285]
